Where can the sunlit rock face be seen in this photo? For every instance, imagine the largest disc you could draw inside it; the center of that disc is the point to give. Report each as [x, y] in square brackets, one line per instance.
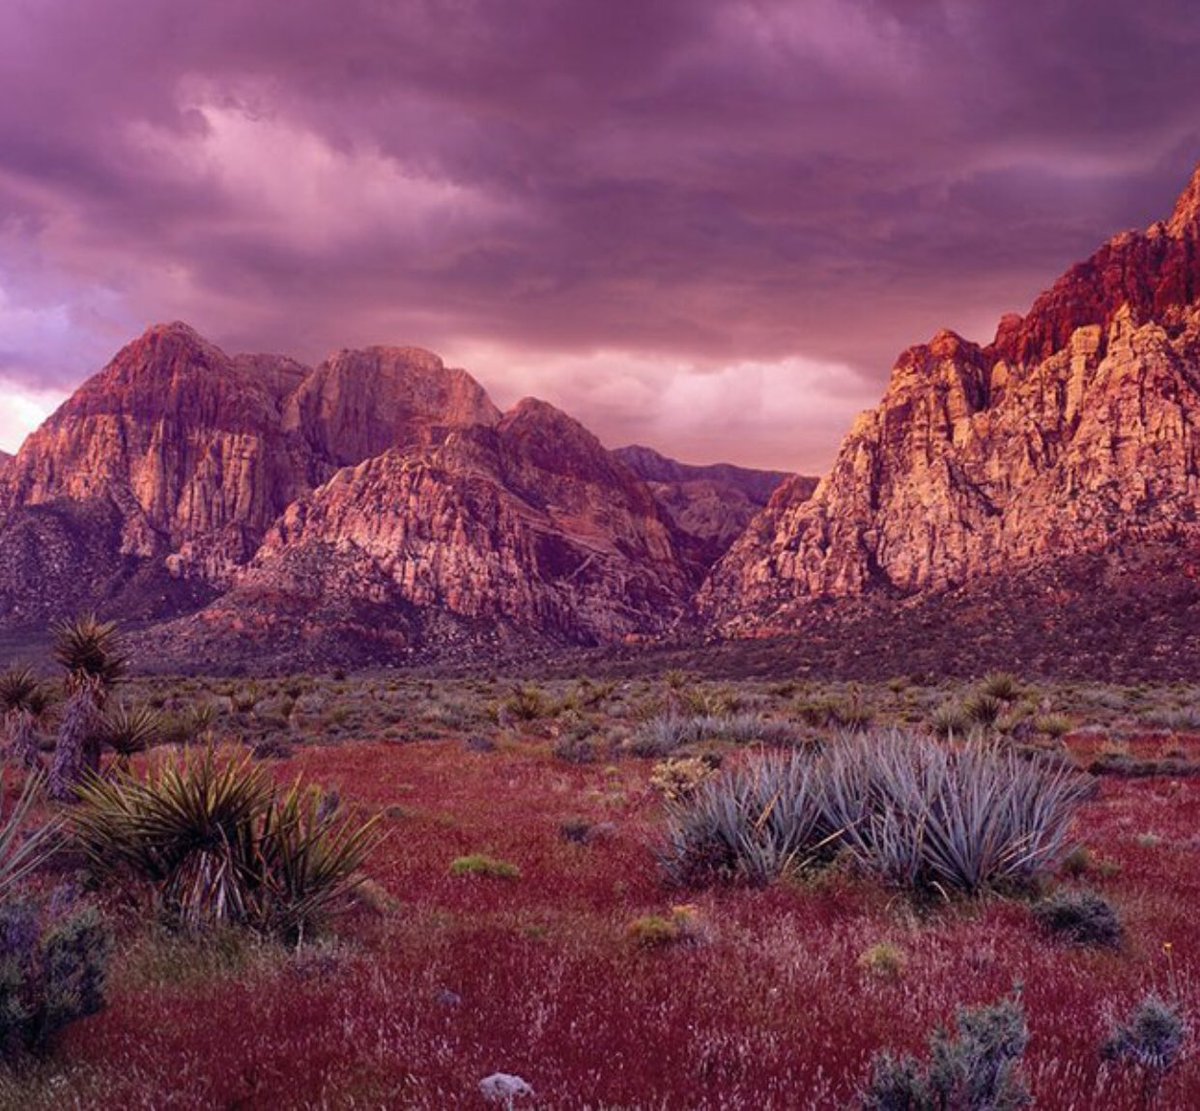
[1073, 431]
[182, 477]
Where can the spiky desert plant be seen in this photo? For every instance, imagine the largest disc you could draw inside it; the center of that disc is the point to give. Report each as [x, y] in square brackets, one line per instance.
[22, 690]
[23, 700]
[216, 843]
[23, 850]
[309, 859]
[90, 651]
[753, 823]
[1002, 685]
[128, 730]
[186, 829]
[922, 815]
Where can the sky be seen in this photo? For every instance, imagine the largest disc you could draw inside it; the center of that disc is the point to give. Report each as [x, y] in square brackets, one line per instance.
[706, 226]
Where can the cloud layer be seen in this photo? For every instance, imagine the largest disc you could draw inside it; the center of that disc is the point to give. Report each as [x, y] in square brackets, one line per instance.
[711, 224]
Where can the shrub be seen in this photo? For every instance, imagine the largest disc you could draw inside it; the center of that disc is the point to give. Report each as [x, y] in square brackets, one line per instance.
[950, 720]
[914, 812]
[218, 843]
[1001, 685]
[52, 972]
[1055, 726]
[1081, 918]
[681, 777]
[983, 709]
[478, 864]
[884, 960]
[754, 823]
[924, 816]
[977, 1069]
[652, 931]
[527, 703]
[1152, 1036]
[664, 734]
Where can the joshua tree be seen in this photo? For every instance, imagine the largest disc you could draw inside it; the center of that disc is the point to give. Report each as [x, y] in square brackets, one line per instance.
[23, 700]
[90, 652]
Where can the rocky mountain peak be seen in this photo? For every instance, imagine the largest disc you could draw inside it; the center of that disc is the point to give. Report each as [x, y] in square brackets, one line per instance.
[1185, 220]
[359, 403]
[1078, 428]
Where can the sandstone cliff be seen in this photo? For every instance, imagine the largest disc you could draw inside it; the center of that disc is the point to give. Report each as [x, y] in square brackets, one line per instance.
[711, 505]
[1076, 426]
[380, 490]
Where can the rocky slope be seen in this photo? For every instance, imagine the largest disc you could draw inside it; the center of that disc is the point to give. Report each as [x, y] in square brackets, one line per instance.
[380, 497]
[710, 505]
[1075, 429]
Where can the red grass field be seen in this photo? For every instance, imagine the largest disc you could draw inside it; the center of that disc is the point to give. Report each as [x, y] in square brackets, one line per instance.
[771, 1009]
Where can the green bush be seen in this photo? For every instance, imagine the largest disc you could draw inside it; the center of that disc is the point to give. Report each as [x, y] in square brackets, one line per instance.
[1081, 918]
[916, 813]
[1152, 1036]
[218, 843]
[479, 864]
[52, 972]
[976, 1069]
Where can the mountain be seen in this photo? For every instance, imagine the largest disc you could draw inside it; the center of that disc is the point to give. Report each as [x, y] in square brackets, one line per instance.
[709, 505]
[376, 506]
[1075, 432]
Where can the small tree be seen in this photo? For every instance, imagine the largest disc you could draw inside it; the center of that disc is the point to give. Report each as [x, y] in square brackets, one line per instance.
[90, 651]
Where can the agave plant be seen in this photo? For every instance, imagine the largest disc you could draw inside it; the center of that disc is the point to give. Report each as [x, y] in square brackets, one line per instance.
[217, 844]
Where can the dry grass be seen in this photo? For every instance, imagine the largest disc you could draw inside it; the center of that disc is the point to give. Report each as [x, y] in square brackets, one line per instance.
[437, 980]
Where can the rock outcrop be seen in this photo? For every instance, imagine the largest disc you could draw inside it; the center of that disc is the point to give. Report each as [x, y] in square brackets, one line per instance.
[710, 506]
[380, 495]
[1077, 426]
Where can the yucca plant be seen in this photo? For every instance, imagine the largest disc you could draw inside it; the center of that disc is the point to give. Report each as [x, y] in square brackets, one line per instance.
[128, 730]
[309, 859]
[754, 823]
[22, 850]
[923, 815]
[22, 691]
[23, 701]
[90, 650]
[217, 844]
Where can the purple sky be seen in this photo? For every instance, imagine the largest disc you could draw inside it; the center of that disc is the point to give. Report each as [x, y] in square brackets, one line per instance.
[706, 226]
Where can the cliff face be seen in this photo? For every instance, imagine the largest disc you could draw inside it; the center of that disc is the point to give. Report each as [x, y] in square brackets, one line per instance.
[181, 476]
[1076, 426]
[710, 506]
[529, 524]
[200, 452]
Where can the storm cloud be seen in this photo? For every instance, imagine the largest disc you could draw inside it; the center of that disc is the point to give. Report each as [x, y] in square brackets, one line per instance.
[707, 226]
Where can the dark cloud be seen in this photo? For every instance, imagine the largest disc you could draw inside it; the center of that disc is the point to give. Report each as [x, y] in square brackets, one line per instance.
[782, 193]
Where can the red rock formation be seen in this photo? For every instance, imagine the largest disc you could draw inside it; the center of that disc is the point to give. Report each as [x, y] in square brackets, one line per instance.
[379, 479]
[710, 506]
[1080, 423]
